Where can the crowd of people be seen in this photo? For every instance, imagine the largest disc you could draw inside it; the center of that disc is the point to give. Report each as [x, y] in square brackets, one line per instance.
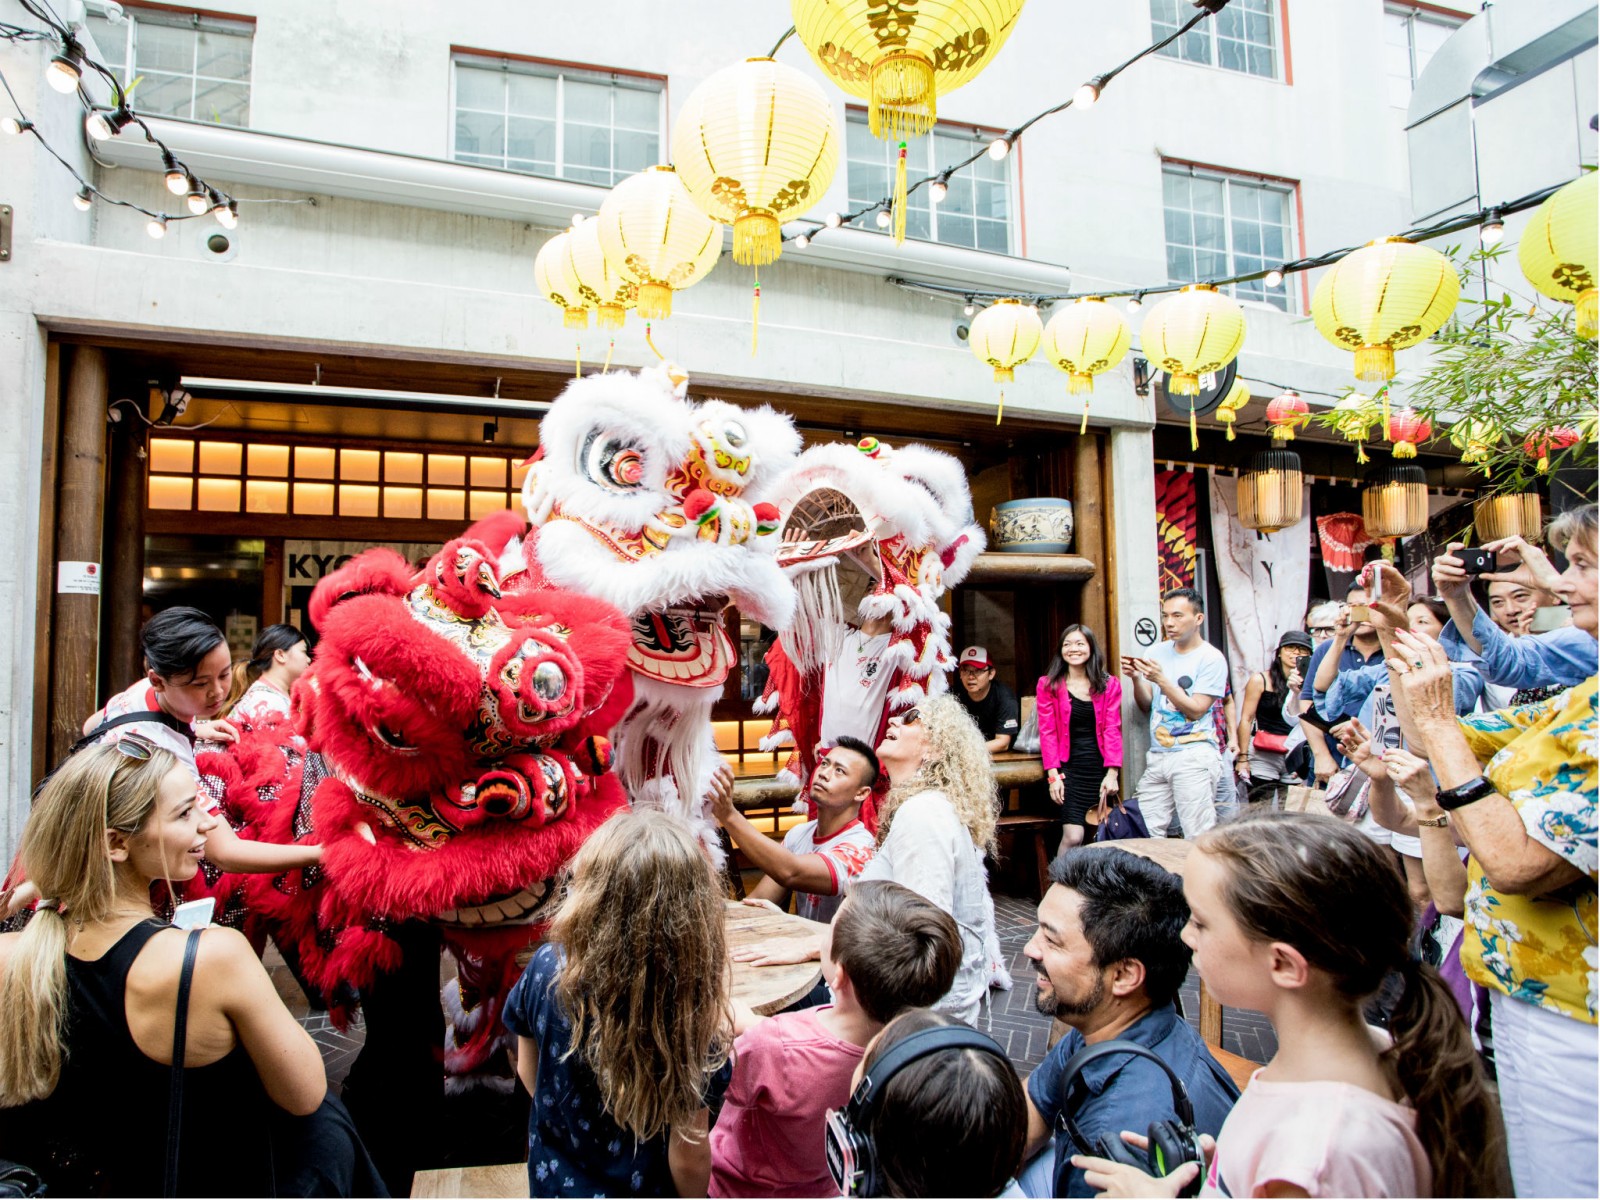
[1425, 951]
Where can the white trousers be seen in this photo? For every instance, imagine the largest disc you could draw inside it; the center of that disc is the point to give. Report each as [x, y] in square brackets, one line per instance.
[1549, 1072]
[1186, 779]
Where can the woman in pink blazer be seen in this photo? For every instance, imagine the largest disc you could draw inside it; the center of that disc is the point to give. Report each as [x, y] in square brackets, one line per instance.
[1080, 731]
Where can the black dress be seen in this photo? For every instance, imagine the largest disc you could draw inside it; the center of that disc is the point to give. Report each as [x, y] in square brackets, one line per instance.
[1085, 766]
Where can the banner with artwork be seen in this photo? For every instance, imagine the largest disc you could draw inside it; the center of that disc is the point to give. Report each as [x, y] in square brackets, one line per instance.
[1175, 528]
[1344, 541]
[1263, 578]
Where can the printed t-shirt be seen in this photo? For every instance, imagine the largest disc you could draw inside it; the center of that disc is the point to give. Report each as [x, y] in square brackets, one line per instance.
[855, 689]
[262, 701]
[996, 713]
[141, 697]
[845, 853]
[788, 1071]
[1326, 1138]
[1202, 671]
[574, 1147]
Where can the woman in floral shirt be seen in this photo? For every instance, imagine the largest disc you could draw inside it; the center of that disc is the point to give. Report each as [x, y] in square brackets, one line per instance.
[1531, 889]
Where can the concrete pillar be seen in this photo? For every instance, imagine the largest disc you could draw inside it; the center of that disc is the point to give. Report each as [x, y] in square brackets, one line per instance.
[1134, 578]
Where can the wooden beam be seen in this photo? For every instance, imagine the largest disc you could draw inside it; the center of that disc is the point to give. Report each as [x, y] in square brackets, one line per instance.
[999, 567]
[75, 632]
[49, 464]
[123, 604]
[272, 583]
[1089, 525]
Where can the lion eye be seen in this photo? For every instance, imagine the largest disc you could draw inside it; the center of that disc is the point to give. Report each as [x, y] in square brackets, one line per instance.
[614, 464]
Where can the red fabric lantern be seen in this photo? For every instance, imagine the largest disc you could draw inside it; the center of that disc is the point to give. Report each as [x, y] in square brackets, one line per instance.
[1542, 443]
[1407, 427]
[1286, 413]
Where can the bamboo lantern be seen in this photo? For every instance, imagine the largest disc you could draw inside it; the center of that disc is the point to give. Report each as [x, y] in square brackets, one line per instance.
[1191, 334]
[899, 57]
[652, 231]
[756, 144]
[1005, 335]
[1395, 501]
[1386, 296]
[1271, 493]
[601, 286]
[552, 274]
[1506, 514]
[1353, 419]
[1560, 251]
[1286, 413]
[1542, 443]
[1228, 410]
[1407, 427]
[1476, 438]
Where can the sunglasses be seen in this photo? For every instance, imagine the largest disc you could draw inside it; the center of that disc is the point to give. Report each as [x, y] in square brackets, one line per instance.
[910, 717]
[131, 745]
[1322, 631]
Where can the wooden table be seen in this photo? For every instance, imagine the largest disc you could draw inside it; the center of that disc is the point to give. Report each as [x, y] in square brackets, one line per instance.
[501, 1179]
[770, 989]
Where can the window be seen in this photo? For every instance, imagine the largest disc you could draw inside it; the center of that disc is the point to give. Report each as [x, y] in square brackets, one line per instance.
[1242, 37]
[1220, 225]
[1410, 38]
[977, 211]
[180, 64]
[587, 126]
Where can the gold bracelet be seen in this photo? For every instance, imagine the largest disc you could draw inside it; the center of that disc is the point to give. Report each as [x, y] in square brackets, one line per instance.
[1440, 822]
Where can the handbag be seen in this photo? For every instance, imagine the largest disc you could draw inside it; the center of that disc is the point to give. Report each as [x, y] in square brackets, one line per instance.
[1346, 794]
[1273, 743]
[1027, 739]
[1123, 821]
[18, 1180]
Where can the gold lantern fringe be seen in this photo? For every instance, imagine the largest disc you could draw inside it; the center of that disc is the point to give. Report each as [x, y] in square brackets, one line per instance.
[902, 102]
[1078, 384]
[610, 316]
[1180, 384]
[1375, 364]
[1589, 313]
[576, 318]
[655, 300]
[900, 198]
[757, 239]
[1004, 375]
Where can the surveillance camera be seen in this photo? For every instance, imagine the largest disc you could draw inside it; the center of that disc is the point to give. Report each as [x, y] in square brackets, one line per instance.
[961, 330]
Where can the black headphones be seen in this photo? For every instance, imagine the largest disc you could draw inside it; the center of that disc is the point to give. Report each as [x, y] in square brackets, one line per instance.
[852, 1161]
[1172, 1143]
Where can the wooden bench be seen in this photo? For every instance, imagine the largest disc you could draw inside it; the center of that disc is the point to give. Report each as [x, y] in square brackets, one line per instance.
[1025, 825]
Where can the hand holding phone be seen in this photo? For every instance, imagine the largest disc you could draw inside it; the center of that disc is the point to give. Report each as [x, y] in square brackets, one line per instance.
[1477, 561]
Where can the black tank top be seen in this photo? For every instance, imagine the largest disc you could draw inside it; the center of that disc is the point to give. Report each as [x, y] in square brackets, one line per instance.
[103, 1131]
[1269, 713]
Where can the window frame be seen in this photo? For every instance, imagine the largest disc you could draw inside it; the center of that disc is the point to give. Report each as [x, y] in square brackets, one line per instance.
[981, 136]
[199, 20]
[1412, 13]
[1294, 237]
[558, 71]
[1277, 12]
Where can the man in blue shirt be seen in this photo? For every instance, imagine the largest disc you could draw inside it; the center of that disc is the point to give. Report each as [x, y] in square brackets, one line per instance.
[1110, 959]
[1354, 644]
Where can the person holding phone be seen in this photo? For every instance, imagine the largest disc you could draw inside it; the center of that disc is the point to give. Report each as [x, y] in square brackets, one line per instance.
[1264, 726]
[1354, 645]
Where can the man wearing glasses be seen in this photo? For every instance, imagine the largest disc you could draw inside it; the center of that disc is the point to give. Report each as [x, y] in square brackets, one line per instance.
[1321, 621]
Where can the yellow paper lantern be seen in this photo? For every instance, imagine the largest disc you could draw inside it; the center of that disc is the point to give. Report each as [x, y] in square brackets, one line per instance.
[552, 274]
[1386, 296]
[756, 144]
[652, 231]
[1228, 411]
[601, 286]
[900, 56]
[1354, 418]
[1559, 252]
[1476, 438]
[1196, 332]
[1085, 339]
[1005, 335]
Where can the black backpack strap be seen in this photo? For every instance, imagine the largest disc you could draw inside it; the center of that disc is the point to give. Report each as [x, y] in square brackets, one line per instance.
[180, 1030]
[133, 718]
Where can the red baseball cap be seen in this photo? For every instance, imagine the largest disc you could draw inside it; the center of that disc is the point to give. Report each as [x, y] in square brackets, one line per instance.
[975, 656]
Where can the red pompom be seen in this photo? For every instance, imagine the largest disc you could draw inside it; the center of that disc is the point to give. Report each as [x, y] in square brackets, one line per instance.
[697, 502]
[766, 512]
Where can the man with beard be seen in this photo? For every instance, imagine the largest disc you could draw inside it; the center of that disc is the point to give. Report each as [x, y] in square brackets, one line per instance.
[1110, 959]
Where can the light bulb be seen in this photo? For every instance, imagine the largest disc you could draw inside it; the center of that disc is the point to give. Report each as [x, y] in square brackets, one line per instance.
[157, 226]
[1492, 230]
[96, 125]
[832, 220]
[969, 308]
[577, 219]
[177, 178]
[1274, 278]
[228, 214]
[882, 218]
[801, 241]
[14, 125]
[1135, 303]
[66, 69]
[1087, 94]
[999, 148]
[938, 190]
[83, 200]
[198, 202]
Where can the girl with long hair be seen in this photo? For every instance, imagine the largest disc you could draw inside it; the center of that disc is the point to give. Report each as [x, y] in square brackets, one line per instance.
[1302, 918]
[88, 995]
[1079, 708]
[261, 683]
[1265, 725]
[623, 1019]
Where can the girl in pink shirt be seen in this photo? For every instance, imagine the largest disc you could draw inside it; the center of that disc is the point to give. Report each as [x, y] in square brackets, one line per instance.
[1301, 918]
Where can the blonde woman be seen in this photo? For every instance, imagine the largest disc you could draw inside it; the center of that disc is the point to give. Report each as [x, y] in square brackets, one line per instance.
[933, 829]
[89, 992]
[623, 1021]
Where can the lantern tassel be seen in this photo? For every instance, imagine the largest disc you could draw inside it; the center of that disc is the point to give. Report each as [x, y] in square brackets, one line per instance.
[755, 317]
[1194, 432]
[1383, 398]
[577, 360]
[651, 342]
[1230, 433]
[900, 198]
[1361, 452]
[1083, 426]
[610, 346]
[1001, 411]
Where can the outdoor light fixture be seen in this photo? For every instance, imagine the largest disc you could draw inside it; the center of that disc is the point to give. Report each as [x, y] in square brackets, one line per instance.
[999, 148]
[157, 226]
[198, 202]
[1136, 302]
[14, 125]
[882, 218]
[1271, 493]
[1492, 229]
[83, 200]
[970, 307]
[66, 69]
[1089, 92]
[1395, 501]
[939, 188]
[490, 429]
[832, 220]
[1508, 514]
[801, 241]
[1141, 377]
[177, 179]
[227, 215]
[103, 123]
[1274, 277]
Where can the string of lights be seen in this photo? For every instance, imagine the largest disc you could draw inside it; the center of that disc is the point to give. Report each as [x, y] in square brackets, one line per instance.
[939, 184]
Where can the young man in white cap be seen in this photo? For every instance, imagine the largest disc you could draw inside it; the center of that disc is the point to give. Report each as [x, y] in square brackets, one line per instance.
[991, 704]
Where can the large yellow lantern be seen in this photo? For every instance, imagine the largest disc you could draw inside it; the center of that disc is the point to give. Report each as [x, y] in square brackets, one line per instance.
[756, 144]
[652, 231]
[1194, 333]
[601, 286]
[1386, 296]
[1005, 335]
[552, 274]
[1559, 252]
[1086, 338]
[898, 55]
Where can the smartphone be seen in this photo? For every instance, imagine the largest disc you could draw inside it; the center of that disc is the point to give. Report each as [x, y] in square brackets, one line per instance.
[1300, 662]
[1360, 613]
[194, 914]
[1312, 717]
[1477, 562]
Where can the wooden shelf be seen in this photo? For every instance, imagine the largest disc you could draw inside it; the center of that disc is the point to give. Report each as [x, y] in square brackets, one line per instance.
[1000, 567]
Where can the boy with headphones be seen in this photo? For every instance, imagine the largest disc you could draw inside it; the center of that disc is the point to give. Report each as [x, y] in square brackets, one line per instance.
[887, 949]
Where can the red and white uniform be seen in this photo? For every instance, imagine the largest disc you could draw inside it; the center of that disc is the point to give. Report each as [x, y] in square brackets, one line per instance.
[141, 697]
[262, 701]
[846, 853]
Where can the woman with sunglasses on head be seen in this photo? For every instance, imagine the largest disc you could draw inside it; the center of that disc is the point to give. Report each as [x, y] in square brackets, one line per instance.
[90, 989]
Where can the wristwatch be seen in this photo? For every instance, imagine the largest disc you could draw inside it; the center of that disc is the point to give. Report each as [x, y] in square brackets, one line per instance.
[1469, 792]
[1438, 822]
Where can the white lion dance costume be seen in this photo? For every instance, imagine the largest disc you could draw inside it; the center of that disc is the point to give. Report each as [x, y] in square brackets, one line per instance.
[658, 506]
